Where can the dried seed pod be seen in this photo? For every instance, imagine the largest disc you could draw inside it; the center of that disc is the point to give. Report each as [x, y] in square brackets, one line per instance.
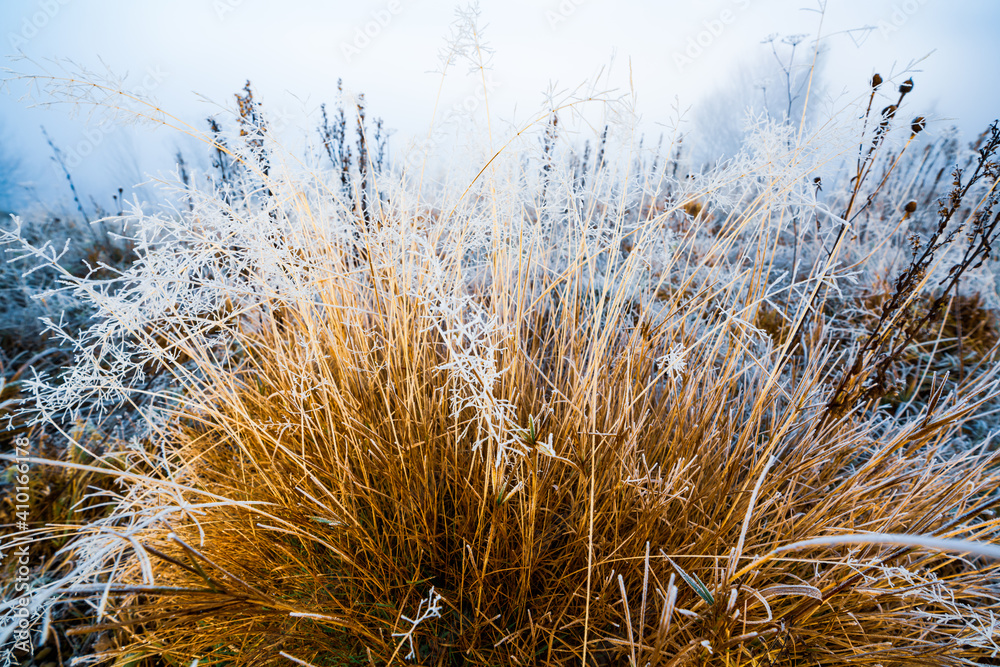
[911, 206]
[876, 81]
[918, 124]
[906, 86]
[889, 111]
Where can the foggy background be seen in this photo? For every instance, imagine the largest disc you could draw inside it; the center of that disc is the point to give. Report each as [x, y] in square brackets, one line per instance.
[704, 62]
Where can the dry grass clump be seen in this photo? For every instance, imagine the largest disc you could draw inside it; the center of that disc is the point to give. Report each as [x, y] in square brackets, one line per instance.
[518, 423]
[636, 532]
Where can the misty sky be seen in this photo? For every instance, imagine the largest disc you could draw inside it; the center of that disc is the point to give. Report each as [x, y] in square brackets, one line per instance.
[192, 55]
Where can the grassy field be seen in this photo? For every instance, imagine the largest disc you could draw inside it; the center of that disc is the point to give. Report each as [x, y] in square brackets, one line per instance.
[577, 403]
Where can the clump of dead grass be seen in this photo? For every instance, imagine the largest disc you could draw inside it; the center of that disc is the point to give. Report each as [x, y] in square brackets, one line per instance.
[497, 433]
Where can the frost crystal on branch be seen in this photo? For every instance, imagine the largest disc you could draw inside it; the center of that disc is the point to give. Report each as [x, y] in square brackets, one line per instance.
[433, 610]
[673, 362]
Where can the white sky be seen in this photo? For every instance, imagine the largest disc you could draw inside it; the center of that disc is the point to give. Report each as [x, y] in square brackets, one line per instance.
[294, 51]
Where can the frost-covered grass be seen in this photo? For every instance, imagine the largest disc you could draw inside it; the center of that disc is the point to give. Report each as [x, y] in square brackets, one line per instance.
[612, 409]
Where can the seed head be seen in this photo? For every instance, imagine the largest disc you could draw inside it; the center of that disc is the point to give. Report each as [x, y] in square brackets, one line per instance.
[889, 111]
[911, 206]
[918, 124]
[906, 86]
[876, 81]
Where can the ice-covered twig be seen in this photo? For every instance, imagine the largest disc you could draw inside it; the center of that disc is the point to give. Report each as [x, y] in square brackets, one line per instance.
[433, 610]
